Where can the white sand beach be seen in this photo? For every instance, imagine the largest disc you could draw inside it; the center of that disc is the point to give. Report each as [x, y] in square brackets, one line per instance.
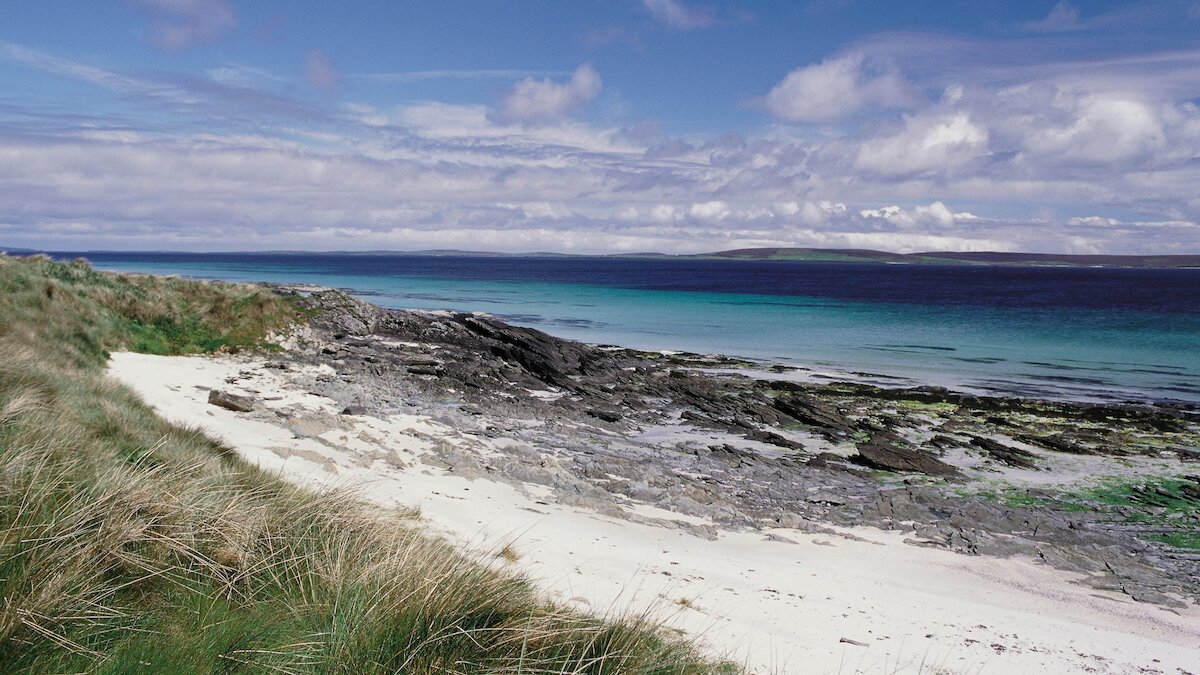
[861, 601]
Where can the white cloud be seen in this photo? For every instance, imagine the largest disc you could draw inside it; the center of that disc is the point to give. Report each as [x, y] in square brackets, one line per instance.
[432, 174]
[1105, 128]
[540, 210]
[678, 15]
[1092, 220]
[926, 144]
[663, 213]
[936, 213]
[320, 71]
[97, 76]
[835, 88]
[533, 102]
[654, 213]
[416, 76]
[244, 76]
[178, 24]
[714, 210]
[1063, 17]
[811, 213]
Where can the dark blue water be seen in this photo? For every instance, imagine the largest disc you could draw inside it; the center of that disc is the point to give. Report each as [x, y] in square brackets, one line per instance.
[1087, 333]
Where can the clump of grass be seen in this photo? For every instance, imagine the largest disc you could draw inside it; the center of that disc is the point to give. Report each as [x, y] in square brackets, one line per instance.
[73, 305]
[130, 544]
[508, 554]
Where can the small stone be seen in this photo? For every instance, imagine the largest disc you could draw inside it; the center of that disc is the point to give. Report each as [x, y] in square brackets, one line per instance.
[856, 643]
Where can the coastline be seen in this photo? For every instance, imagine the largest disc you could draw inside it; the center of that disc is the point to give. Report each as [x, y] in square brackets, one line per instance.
[778, 600]
[726, 579]
[1065, 347]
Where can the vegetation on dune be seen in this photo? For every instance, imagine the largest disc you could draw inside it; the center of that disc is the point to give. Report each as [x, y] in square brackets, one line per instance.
[129, 544]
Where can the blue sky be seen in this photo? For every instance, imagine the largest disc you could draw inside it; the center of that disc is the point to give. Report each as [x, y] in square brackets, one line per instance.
[601, 125]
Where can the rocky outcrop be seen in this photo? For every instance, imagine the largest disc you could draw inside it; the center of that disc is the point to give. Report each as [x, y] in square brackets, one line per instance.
[606, 427]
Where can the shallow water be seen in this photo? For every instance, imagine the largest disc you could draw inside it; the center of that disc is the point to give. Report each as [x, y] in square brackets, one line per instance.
[1078, 333]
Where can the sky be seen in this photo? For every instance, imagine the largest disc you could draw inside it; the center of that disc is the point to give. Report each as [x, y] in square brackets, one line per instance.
[600, 126]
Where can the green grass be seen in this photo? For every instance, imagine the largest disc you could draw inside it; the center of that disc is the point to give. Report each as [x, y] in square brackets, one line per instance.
[935, 408]
[1165, 501]
[128, 544]
[1159, 499]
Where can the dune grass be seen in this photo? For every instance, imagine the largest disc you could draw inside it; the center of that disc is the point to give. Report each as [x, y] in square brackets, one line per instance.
[128, 544]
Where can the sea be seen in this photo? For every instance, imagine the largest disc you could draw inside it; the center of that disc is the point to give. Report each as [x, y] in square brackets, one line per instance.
[1071, 333]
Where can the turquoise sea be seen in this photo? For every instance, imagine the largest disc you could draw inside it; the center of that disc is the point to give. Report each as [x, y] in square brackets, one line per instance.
[1075, 333]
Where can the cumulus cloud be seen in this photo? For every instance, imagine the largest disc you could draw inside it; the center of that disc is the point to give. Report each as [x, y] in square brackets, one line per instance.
[532, 101]
[709, 211]
[936, 213]
[834, 88]
[678, 15]
[927, 144]
[178, 24]
[320, 71]
[1104, 128]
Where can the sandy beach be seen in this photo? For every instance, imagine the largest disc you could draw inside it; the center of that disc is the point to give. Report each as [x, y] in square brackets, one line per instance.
[846, 600]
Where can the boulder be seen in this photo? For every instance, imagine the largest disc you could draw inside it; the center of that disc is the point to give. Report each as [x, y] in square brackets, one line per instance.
[223, 399]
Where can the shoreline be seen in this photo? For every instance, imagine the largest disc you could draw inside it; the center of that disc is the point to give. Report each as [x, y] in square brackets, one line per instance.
[619, 484]
[778, 600]
[980, 365]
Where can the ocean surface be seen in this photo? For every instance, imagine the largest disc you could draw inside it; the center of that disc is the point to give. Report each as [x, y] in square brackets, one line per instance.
[1071, 333]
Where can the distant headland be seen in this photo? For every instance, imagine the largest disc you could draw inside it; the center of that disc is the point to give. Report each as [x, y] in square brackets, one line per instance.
[795, 254]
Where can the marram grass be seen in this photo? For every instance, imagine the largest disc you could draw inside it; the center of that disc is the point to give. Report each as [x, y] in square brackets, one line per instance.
[128, 544]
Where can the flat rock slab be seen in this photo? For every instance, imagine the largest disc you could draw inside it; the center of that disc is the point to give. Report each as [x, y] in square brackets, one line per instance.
[880, 454]
[223, 399]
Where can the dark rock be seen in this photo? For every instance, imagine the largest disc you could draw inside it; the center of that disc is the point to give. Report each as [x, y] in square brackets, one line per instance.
[233, 402]
[881, 453]
[354, 410]
[1007, 454]
[943, 442]
[772, 438]
[547, 358]
[1057, 443]
[605, 415]
[813, 413]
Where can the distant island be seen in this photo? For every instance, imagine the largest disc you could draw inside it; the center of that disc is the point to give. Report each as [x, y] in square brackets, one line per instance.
[795, 254]
[956, 258]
